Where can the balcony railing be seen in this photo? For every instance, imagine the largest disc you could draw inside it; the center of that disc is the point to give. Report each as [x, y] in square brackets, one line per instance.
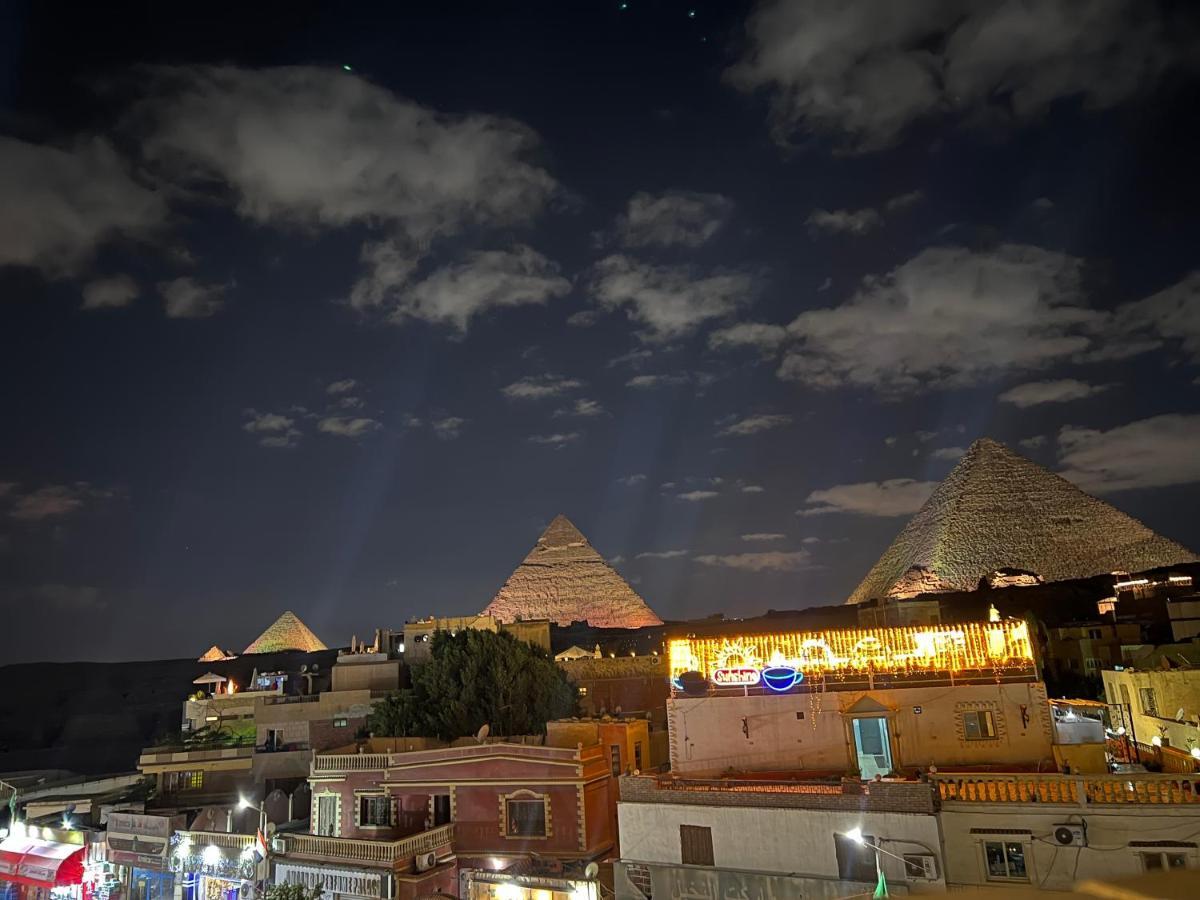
[1079, 790]
[350, 762]
[379, 853]
[223, 839]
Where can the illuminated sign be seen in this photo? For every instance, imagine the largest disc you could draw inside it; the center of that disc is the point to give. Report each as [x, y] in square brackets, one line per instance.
[781, 661]
[742, 676]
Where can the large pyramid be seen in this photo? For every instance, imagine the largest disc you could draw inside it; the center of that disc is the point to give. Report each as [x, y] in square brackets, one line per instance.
[286, 633]
[998, 510]
[565, 580]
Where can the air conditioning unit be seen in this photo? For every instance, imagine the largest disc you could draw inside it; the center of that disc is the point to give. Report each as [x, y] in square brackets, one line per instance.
[278, 845]
[426, 861]
[1070, 834]
[920, 866]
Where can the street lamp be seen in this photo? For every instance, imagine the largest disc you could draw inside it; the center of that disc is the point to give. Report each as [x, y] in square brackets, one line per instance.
[265, 866]
[856, 835]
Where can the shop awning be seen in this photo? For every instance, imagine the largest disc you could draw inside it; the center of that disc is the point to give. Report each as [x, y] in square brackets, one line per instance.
[41, 863]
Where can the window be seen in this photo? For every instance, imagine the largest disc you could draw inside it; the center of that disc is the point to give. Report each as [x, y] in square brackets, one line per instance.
[1149, 701]
[375, 811]
[1154, 861]
[856, 861]
[441, 809]
[340, 722]
[184, 781]
[1091, 663]
[1125, 696]
[1094, 634]
[615, 756]
[979, 725]
[582, 690]
[637, 755]
[1005, 861]
[526, 818]
[695, 845]
[328, 813]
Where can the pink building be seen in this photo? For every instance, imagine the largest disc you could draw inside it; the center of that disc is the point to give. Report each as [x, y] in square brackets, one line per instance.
[415, 820]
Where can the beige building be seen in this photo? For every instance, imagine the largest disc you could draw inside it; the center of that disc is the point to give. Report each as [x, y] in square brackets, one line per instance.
[419, 632]
[1157, 704]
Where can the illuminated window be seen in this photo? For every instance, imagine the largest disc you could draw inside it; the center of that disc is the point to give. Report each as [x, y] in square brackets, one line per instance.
[695, 845]
[375, 810]
[979, 725]
[185, 781]
[341, 722]
[525, 818]
[1149, 701]
[1005, 861]
[582, 691]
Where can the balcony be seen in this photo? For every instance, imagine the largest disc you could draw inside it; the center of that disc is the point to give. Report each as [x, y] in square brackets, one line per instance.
[222, 839]
[1069, 790]
[349, 762]
[800, 793]
[386, 854]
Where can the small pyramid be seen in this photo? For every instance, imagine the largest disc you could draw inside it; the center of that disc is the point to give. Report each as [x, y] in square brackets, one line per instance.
[998, 510]
[286, 633]
[565, 580]
[214, 654]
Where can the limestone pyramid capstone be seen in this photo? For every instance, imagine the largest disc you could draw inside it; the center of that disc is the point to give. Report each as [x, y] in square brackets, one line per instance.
[998, 510]
[565, 580]
[286, 633]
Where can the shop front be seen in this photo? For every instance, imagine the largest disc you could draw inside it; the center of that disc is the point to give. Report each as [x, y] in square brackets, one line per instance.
[42, 864]
[140, 845]
[214, 866]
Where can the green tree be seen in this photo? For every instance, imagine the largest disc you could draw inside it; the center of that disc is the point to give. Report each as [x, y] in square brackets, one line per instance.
[476, 678]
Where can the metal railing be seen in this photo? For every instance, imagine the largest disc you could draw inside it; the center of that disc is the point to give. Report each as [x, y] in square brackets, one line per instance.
[1068, 789]
[360, 851]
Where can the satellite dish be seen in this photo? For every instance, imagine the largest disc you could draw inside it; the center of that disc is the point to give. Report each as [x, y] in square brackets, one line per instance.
[483, 732]
[591, 871]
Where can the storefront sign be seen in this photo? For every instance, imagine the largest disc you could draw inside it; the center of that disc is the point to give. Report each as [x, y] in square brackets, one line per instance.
[138, 840]
[331, 881]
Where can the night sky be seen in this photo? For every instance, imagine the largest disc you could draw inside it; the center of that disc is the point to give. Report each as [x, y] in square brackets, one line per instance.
[333, 310]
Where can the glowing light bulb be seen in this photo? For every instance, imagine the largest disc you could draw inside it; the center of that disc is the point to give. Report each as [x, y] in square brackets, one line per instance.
[211, 855]
[855, 834]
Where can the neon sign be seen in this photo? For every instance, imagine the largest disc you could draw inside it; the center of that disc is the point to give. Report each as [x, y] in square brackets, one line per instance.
[741, 676]
[772, 659]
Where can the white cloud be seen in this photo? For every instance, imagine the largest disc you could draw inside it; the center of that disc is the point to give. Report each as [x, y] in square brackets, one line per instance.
[755, 424]
[844, 221]
[647, 382]
[558, 440]
[538, 387]
[894, 497]
[459, 292]
[866, 71]
[272, 429]
[348, 426]
[52, 501]
[321, 147]
[662, 554]
[697, 496]
[770, 561]
[748, 334]
[1032, 443]
[344, 386]
[925, 436]
[1173, 314]
[675, 218]
[753, 489]
[948, 453]
[115, 292]
[583, 407]
[757, 536]
[668, 301]
[448, 428]
[348, 403]
[1034, 393]
[635, 359]
[186, 298]
[631, 480]
[903, 201]
[1153, 452]
[949, 317]
[62, 205]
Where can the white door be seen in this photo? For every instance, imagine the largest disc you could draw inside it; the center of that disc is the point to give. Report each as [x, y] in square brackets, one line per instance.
[872, 746]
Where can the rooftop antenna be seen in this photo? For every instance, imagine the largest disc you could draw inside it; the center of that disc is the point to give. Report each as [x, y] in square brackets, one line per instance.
[483, 732]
